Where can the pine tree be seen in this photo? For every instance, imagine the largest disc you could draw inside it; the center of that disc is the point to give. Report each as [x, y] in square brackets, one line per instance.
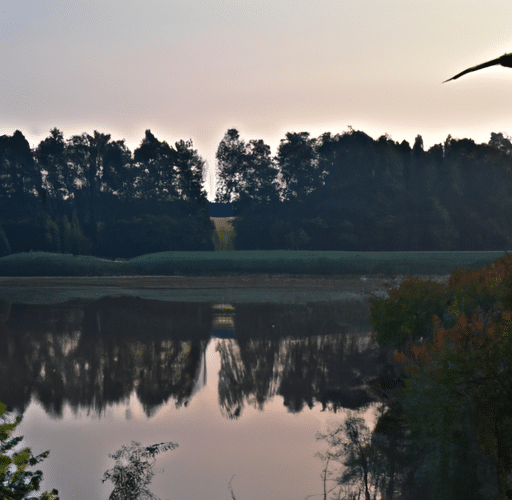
[15, 481]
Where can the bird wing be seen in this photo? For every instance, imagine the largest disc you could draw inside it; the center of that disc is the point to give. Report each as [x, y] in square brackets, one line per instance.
[476, 68]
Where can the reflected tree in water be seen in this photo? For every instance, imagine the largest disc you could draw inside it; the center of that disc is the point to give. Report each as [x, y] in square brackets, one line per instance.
[361, 471]
[333, 370]
[247, 375]
[88, 357]
[133, 470]
[168, 369]
[95, 354]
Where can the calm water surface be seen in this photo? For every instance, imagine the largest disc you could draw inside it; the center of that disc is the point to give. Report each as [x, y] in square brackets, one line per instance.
[242, 388]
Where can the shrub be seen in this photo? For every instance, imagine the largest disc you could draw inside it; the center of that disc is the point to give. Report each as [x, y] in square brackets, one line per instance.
[15, 481]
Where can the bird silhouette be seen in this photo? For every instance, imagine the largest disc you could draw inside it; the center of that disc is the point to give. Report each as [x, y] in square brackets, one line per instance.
[504, 60]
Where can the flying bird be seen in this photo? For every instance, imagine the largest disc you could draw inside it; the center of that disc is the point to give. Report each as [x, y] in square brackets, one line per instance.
[504, 60]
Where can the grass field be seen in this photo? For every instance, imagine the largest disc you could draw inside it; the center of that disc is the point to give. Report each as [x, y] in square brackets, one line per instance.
[246, 262]
[224, 236]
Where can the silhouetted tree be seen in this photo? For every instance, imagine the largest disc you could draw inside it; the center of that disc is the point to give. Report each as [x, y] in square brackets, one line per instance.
[190, 168]
[231, 164]
[51, 156]
[155, 167]
[20, 178]
[298, 165]
[246, 172]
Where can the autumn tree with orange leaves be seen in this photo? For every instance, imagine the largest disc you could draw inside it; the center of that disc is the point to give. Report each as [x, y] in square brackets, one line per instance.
[454, 345]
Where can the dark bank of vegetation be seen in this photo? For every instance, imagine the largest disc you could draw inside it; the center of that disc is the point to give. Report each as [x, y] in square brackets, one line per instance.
[91, 195]
[444, 430]
[194, 263]
[351, 192]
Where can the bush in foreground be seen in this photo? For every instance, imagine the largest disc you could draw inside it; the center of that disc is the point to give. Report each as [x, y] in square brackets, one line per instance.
[15, 481]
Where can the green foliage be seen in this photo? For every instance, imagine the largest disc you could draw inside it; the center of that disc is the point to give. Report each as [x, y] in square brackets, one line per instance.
[457, 375]
[16, 482]
[133, 471]
[25, 234]
[361, 464]
[79, 244]
[440, 421]
[147, 233]
[407, 315]
[224, 236]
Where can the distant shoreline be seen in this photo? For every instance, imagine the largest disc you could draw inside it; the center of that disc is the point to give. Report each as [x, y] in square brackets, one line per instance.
[213, 289]
[247, 263]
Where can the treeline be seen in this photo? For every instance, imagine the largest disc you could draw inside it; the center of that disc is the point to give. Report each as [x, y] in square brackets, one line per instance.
[351, 192]
[91, 195]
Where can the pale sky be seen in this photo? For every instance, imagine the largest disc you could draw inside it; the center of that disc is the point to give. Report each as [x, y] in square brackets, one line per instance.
[191, 69]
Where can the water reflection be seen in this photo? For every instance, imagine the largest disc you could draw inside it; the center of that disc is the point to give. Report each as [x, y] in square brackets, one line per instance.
[333, 370]
[91, 355]
[223, 321]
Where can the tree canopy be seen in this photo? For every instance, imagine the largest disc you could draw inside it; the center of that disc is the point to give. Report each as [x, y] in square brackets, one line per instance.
[454, 345]
[348, 191]
[90, 194]
[351, 192]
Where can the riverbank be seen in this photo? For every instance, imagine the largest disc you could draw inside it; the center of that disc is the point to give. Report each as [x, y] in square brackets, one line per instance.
[274, 262]
[230, 289]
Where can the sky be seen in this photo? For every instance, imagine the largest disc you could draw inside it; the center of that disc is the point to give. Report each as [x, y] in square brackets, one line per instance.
[192, 69]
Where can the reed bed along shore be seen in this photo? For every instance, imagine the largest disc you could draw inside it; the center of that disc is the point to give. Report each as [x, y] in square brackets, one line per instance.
[247, 262]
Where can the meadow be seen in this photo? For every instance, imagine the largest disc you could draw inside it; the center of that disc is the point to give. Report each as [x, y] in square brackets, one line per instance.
[224, 236]
[290, 262]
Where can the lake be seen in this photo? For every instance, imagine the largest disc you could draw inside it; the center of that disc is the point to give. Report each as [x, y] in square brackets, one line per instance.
[242, 385]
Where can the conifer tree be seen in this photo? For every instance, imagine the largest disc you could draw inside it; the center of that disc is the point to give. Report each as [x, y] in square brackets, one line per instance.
[15, 481]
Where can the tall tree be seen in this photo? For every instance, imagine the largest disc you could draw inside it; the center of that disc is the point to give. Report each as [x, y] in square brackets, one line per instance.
[190, 169]
[51, 155]
[247, 174]
[133, 470]
[155, 169]
[501, 141]
[87, 155]
[20, 178]
[261, 175]
[231, 163]
[298, 165]
[116, 169]
[352, 446]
